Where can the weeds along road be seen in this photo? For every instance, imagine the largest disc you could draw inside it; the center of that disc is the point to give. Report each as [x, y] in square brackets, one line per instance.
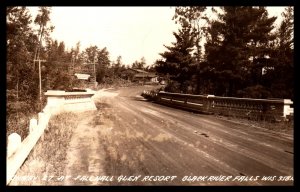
[129, 136]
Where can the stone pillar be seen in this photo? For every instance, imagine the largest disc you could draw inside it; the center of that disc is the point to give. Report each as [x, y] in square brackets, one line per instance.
[208, 103]
[55, 101]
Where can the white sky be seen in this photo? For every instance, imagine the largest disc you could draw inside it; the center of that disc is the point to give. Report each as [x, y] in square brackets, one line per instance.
[132, 32]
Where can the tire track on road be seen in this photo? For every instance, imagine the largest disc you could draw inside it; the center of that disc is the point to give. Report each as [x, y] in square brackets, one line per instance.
[244, 152]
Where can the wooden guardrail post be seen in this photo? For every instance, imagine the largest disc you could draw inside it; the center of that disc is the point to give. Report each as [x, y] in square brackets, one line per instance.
[32, 125]
[14, 140]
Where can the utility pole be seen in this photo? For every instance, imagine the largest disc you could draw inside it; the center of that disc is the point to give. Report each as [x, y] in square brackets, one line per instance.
[94, 69]
[94, 82]
[40, 79]
[143, 78]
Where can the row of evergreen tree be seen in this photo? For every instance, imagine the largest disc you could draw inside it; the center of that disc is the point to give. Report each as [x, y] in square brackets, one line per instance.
[245, 54]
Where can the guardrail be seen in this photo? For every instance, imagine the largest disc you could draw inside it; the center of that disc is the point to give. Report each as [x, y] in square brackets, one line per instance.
[57, 102]
[257, 109]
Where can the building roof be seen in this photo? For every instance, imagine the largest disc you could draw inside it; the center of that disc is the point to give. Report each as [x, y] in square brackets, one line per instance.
[139, 70]
[141, 75]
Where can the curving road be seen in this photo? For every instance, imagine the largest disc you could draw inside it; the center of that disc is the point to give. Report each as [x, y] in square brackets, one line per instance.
[129, 136]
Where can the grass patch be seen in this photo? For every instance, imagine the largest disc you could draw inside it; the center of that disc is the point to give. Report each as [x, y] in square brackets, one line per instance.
[48, 157]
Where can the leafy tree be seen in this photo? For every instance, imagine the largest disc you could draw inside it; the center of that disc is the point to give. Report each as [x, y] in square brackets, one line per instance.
[21, 81]
[150, 68]
[103, 57]
[61, 49]
[76, 51]
[91, 54]
[18, 55]
[24, 45]
[118, 61]
[100, 57]
[139, 64]
[102, 64]
[117, 71]
[42, 20]
[55, 73]
[135, 65]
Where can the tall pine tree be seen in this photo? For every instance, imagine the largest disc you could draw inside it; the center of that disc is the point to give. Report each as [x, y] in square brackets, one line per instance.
[178, 61]
[282, 74]
[237, 48]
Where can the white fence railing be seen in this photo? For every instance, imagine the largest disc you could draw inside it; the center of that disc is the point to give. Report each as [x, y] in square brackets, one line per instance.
[57, 102]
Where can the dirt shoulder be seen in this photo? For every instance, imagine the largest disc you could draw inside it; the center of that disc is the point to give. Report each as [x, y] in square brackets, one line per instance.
[46, 162]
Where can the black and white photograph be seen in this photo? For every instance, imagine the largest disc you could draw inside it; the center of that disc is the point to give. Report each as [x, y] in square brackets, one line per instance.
[150, 96]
